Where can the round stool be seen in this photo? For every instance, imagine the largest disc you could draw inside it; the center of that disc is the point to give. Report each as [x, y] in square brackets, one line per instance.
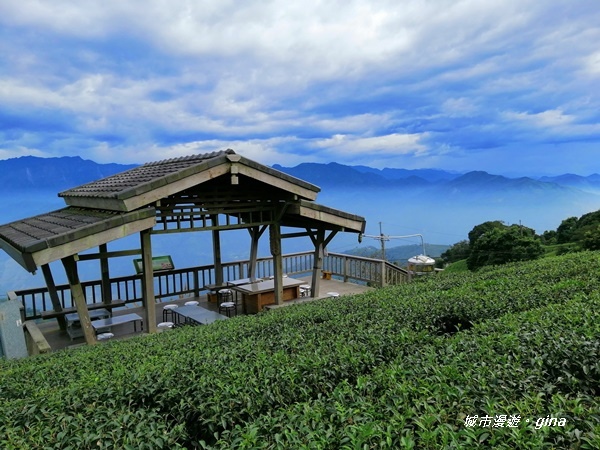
[228, 308]
[192, 303]
[165, 326]
[168, 312]
[225, 295]
[333, 294]
[305, 290]
[105, 336]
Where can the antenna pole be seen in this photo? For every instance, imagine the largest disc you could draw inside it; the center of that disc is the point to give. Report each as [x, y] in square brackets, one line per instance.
[382, 239]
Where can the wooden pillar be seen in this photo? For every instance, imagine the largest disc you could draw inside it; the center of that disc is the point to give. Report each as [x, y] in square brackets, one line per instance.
[148, 282]
[62, 323]
[216, 238]
[275, 241]
[78, 297]
[318, 240]
[255, 234]
[105, 274]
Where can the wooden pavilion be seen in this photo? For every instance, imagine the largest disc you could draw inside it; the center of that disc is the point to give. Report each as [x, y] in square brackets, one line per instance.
[213, 192]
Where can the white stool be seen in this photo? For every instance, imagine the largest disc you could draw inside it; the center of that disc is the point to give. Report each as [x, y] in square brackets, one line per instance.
[168, 311]
[228, 308]
[333, 294]
[165, 326]
[305, 290]
[105, 336]
[225, 295]
[192, 303]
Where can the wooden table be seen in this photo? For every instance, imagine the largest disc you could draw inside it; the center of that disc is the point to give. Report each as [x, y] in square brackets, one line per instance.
[257, 295]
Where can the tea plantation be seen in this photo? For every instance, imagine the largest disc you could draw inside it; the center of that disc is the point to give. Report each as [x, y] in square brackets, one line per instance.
[504, 358]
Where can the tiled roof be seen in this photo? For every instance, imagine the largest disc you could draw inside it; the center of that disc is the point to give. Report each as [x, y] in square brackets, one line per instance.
[61, 226]
[151, 174]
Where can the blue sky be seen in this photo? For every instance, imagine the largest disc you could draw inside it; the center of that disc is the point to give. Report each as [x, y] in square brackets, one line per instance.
[507, 86]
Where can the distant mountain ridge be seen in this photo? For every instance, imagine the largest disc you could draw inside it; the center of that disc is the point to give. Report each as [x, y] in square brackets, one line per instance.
[55, 174]
[448, 183]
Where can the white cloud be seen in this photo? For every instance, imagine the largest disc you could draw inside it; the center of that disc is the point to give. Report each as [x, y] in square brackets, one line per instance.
[553, 118]
[313, 80]
[592, 64]
[394, 144]
[459, 107]
[544, 119]
[21, 151]
[267, 151]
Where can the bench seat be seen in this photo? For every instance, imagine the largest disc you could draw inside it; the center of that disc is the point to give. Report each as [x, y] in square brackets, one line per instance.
[53, 314]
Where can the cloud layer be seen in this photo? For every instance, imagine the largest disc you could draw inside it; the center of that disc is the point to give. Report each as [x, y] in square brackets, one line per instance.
[500, 85]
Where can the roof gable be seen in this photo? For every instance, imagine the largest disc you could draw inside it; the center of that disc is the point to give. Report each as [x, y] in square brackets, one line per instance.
[151, 182]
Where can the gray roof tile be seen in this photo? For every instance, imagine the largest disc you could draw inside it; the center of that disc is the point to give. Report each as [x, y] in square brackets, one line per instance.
[45, 230]
[145, 177]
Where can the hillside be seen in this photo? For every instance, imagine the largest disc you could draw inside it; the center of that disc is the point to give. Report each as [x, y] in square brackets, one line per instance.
[504, 358]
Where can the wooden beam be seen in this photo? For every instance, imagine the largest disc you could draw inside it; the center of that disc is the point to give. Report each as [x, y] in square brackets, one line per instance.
[148, 282]
[328, 216]
[106, 255]
[78, 298]
[85, 243]
[54, 296]
[295, 235]
[278, 183]
[329, 238]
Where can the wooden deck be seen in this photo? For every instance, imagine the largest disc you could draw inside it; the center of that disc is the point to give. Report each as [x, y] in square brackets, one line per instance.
[60, 340]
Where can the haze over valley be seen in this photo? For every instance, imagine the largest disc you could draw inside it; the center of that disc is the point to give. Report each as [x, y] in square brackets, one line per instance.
[440, 205]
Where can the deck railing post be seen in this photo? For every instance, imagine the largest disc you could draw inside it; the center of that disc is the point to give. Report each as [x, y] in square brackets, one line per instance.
[196, 282]
[346, 268]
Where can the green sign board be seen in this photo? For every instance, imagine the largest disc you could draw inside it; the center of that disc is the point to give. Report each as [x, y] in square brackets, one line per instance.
[158, 263]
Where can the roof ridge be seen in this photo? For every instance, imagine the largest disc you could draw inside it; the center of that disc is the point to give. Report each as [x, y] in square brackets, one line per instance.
[197, 156]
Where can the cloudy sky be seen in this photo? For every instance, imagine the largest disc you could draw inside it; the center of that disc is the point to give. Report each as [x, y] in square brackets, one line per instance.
[507, 86]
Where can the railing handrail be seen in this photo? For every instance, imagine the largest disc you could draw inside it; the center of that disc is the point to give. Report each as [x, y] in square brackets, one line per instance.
[193, 280]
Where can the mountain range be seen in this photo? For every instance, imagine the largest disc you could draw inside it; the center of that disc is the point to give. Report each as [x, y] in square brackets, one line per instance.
[55, 174]
[425, 201]
[338, 175]
[30, 172]
[438, 205]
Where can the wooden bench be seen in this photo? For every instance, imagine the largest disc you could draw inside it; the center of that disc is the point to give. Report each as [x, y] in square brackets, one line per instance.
[118, 320]
[53, 314]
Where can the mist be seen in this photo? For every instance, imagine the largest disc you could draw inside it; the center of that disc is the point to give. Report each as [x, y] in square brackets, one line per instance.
[440, 217]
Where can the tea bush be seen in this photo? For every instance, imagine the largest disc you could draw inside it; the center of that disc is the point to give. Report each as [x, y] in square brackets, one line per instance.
[400, 367]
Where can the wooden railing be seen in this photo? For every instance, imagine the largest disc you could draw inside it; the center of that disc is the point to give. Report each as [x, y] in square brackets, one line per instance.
[35, 340]
[193, 280]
